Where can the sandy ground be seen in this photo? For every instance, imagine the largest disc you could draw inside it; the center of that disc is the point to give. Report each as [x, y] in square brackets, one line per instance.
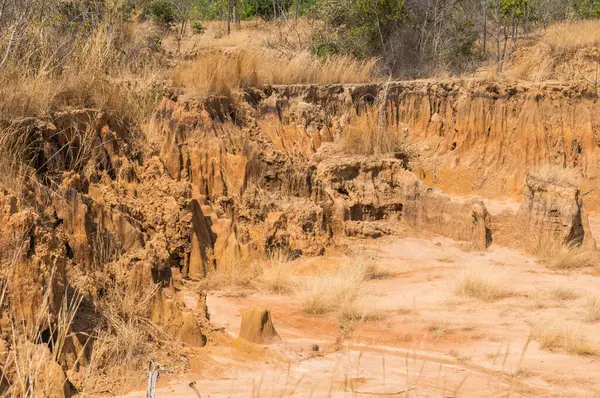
[429, 342]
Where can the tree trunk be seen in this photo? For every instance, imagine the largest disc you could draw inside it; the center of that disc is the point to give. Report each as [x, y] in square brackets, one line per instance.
[380, 34]
[501, 64]
[596, 80]
[485, 23]
[228, 16]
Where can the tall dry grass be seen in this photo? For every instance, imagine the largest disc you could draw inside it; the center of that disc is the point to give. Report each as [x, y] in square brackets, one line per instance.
[30, 360]
[573, 35]
[592, 308]
[343, 292]
[276, 273]
[93, 68]
[554, 53]
[573, 257]
[284, 35]
[53, 66]
[125, 335]
[370, 133]
[555, 334]
[562, 292]
[482, 281]
[223, 72]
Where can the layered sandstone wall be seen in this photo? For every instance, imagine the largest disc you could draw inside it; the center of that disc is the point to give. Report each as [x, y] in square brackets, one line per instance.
[468, 138]
[473, 136]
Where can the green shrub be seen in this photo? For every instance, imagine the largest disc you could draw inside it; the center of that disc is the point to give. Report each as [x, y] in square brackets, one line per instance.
[324, 45]
[198, 28]
[162, 11]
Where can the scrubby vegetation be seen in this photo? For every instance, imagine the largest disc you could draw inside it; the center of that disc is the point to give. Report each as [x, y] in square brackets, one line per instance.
[371, 133]
[277, 273]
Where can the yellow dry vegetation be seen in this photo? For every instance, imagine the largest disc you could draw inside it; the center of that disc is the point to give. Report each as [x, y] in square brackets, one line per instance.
[368, 132]
[557, 52]
[572, 257]
[224, 72]
[573, 35]
[276, 273]
[342, 291]
[592, 308]
[483, 282]
[556, 334]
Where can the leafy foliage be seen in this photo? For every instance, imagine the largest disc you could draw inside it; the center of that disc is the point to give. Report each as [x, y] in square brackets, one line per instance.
[513, 8]
[162, 11]
[363, 26]
[198, 28]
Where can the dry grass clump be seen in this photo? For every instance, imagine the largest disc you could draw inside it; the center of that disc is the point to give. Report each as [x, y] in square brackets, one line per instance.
[573, 257]
[276, 274]
[573, 35]
[553, 334]
[592, 308]
[562, 293]
[483, 282]
[342, 291]
[224, 72]
[370, 133]
[127, 335]
[50, 66]
[567, 256]
[439, 327]
[231, 274]
[556, 174]
[284, 35]
[367, 265]
[315, 297]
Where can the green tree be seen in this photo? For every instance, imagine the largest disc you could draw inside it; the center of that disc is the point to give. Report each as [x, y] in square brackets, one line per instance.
[507, 16]
[362, 27]
[588, 8]
[162, 11]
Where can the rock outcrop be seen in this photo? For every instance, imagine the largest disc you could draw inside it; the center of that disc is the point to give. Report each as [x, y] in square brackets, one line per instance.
[474, 137]
[257, 327]
[226, 178]
[552, 212]
[366, 190]
[552, 215]
[88, 218]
